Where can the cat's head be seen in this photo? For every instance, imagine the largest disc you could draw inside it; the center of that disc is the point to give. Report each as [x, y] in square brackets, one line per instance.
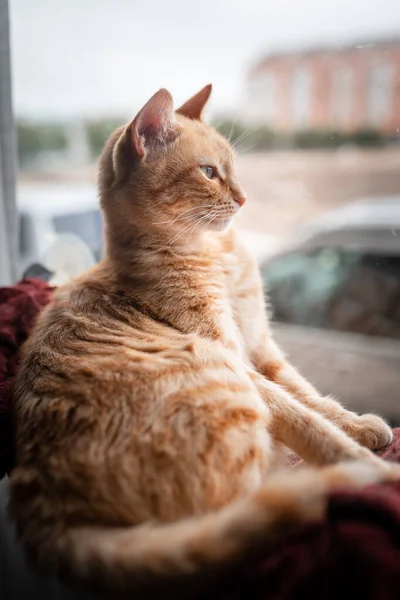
[168, 172]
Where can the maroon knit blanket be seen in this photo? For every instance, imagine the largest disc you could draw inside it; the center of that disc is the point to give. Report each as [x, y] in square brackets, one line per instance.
[354, 552]
[19, 305]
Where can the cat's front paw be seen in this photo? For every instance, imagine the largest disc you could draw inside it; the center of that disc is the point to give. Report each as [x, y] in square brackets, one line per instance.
[372, 432]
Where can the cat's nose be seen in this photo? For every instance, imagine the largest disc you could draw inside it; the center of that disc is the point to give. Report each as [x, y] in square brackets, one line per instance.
[238, 194]
[240, 198]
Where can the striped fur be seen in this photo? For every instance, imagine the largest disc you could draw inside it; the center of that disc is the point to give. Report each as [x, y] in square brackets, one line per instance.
[152, 407]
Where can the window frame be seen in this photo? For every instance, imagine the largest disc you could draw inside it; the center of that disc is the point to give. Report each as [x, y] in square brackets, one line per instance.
[8, 210]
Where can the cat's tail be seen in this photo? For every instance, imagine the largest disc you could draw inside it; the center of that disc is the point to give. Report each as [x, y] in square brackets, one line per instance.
[126, 558]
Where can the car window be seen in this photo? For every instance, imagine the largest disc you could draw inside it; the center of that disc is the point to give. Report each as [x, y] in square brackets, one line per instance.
[337, 289]
[87, 225]
[368, 301]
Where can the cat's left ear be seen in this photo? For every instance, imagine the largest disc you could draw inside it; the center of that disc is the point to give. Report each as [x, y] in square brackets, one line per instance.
[194, 106]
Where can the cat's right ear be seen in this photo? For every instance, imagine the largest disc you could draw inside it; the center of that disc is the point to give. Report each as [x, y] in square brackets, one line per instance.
[154, 123]
[193, 108]
[153, 126]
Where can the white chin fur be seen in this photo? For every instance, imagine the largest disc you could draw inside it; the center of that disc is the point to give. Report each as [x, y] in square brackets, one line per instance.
[220, 225]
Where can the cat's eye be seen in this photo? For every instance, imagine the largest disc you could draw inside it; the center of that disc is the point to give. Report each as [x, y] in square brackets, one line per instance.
[208, 171]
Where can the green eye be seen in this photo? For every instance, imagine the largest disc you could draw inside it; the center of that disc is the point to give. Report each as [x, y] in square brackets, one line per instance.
[208, 171]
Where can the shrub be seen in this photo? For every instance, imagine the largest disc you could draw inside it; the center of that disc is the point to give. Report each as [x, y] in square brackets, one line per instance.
[32, 139]
[98, 131]
[264, 138]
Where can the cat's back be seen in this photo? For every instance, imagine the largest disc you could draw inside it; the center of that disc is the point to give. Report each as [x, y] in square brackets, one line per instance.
[76, 312]
[93, 336]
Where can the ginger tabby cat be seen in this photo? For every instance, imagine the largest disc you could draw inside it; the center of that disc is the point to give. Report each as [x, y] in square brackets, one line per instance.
[152, 406]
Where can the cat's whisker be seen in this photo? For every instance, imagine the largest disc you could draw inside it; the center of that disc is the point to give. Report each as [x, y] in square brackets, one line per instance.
[205, 217]
[179, 217]
[231, 131]
[204, 226]
[213, 215]
[243, 150]
[244, 136]
[202, 220]
[185, 218]
[181, 233]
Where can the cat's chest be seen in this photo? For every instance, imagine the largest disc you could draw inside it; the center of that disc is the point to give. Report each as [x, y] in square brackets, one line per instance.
[215, 315]
[232, 330]
[228, 317]
[240, 305]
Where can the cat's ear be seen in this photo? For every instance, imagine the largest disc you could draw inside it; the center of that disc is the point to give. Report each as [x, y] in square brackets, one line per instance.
[194, 106]
[154, 125]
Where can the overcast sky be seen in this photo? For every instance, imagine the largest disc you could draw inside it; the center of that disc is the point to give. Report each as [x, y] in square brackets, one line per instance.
[75, 58]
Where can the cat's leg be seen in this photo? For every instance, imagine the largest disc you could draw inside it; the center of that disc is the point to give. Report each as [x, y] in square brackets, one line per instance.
[248, 304]
[369, 430]
[315, 439]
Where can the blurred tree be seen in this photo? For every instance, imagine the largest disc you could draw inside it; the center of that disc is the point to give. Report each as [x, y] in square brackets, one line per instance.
[368, 137]
[33, 139]
[98, 131]
[247, 139]
[229, 129]
[262, 138]
[319, 139]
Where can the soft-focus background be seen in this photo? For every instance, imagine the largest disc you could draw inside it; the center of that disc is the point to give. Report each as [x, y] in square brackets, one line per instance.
[309, 91]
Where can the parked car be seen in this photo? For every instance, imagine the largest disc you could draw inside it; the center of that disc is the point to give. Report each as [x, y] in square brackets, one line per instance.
[334, 294]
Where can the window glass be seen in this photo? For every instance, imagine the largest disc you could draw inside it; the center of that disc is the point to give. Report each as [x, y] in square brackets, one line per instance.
[311, 108]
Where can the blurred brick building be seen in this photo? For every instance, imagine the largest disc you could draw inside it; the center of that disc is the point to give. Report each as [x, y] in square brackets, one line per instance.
[343, 89]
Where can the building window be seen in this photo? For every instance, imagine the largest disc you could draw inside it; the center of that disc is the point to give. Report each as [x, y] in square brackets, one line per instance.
[342, 96]
[262, 98]
[301, 98]
[379, 94]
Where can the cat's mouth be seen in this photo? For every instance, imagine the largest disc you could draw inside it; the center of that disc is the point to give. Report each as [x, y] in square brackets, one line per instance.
[222, 219]
[220, 223]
